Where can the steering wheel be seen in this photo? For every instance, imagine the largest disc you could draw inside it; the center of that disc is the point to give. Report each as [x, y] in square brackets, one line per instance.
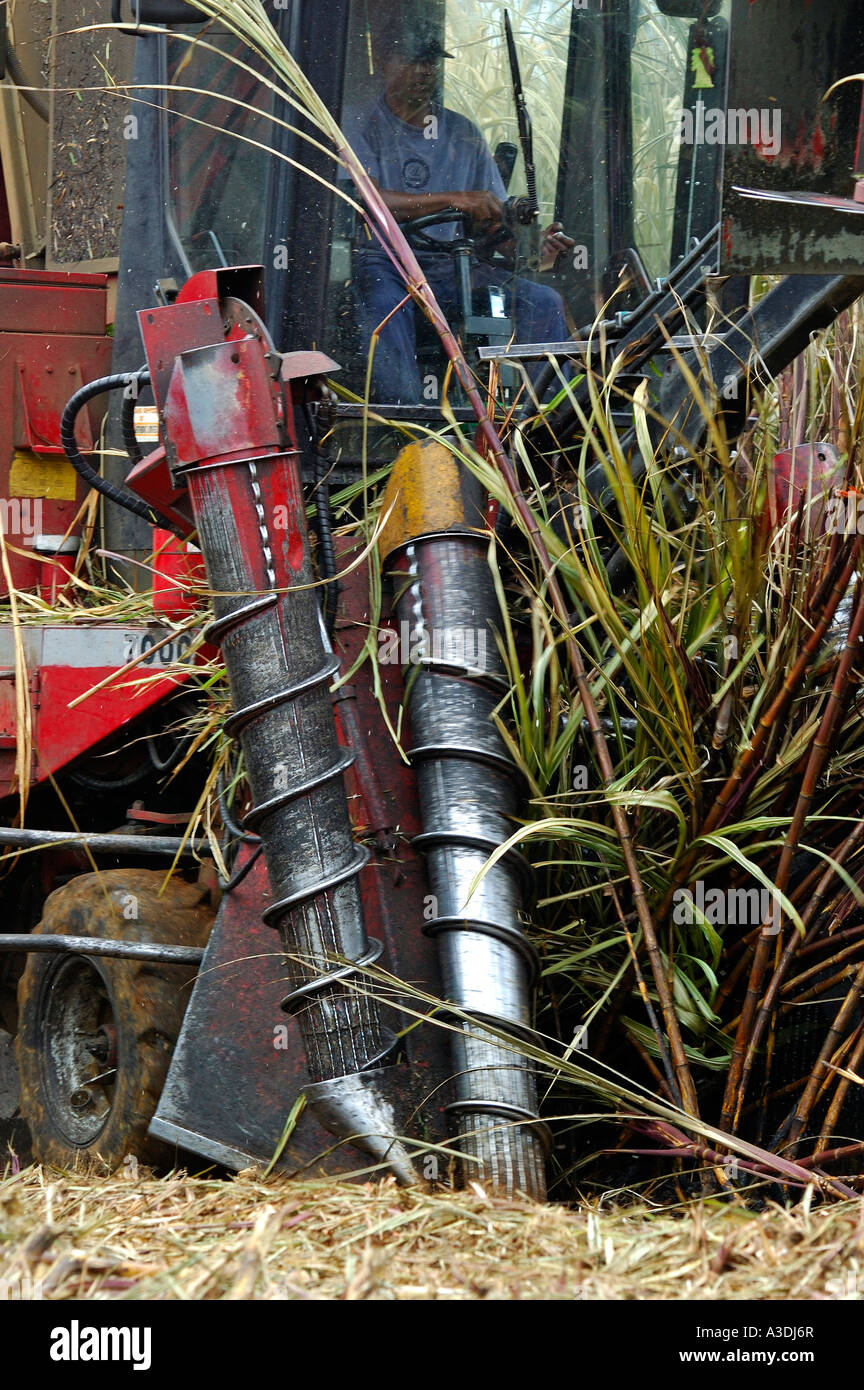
[415, 230]
[483, 246]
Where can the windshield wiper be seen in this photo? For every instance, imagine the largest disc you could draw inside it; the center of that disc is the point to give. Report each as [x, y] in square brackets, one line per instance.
[523, 210]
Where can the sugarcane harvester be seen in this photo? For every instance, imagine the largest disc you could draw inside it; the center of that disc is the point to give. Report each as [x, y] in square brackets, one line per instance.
[368, 956]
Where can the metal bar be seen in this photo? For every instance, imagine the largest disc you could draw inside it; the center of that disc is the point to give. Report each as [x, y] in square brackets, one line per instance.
[758, 347]
[573, 347]
[462, 258]
[801, 199]
[159, 846]
[523, 119]
[532, 352]
[351, 410]
[101, 946]
[645, 330]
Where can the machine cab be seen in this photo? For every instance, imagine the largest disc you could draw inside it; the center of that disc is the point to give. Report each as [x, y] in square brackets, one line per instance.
[426, 93]
[660, 149]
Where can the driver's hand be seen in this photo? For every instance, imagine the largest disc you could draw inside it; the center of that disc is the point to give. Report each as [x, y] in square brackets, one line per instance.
[555, 243]
[484, 208]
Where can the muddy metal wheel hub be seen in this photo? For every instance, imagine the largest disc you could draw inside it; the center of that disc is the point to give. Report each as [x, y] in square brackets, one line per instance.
[79, 1061]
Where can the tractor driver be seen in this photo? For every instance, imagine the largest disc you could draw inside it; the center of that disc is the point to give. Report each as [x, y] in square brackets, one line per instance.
[425, 158]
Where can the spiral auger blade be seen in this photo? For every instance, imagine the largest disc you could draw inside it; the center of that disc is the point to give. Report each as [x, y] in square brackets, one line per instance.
[469, 792]
[231, 431]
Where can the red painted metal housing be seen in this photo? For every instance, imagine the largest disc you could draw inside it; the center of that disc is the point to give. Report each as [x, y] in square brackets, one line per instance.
[53, 327]
[65, 662]
[54, 340]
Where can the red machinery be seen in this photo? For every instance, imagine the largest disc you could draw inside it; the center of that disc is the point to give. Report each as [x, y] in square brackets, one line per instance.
[228, 467]
[116, 1053]
[54, 340]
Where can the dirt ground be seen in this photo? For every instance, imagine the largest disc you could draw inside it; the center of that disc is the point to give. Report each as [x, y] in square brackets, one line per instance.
[133, 1236]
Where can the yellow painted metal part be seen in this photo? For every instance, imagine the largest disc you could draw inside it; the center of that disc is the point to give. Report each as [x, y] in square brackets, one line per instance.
[36, 475]
[424, 493]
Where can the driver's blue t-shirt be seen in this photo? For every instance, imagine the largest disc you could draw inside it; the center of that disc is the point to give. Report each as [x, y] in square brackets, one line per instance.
[445, 154]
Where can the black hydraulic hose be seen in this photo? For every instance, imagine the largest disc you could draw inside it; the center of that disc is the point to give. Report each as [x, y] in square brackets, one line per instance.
[127, 415]
[324, 526]
[166, 765]
[81, 778]
[227, 820]
[229, 884]
[121, 495]
[242, 836]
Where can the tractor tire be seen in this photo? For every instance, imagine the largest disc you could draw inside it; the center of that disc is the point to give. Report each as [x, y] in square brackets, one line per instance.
[96, 1034]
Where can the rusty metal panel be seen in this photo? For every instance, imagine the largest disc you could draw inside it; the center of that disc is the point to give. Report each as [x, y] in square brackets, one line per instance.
[52, 302]
[239, 1064]
[168, 330]
[221, 400]
[788, 187]
[53, 327]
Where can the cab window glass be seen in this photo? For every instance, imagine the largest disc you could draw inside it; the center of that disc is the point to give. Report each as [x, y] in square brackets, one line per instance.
[428, 103]
[217, 181]
[478, 83]
[429, 106]
[677, 65]
[658, 67]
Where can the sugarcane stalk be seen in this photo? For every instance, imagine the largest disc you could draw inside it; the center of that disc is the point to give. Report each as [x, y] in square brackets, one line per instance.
[774, 1164]
[794, 945]
[790, 1088]
[791, 684]
[833, 1155]
[752, 1022]
[749, 762]
[808, 995]
[815, 970]
[805, 887]
[822, 942]
[816, 904]
[771, 1012]
[844, 1016]
[843, 1083]
[646, 1000]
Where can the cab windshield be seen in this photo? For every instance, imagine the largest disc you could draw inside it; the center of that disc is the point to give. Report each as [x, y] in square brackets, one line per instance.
[428, 102]
[218, 162]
